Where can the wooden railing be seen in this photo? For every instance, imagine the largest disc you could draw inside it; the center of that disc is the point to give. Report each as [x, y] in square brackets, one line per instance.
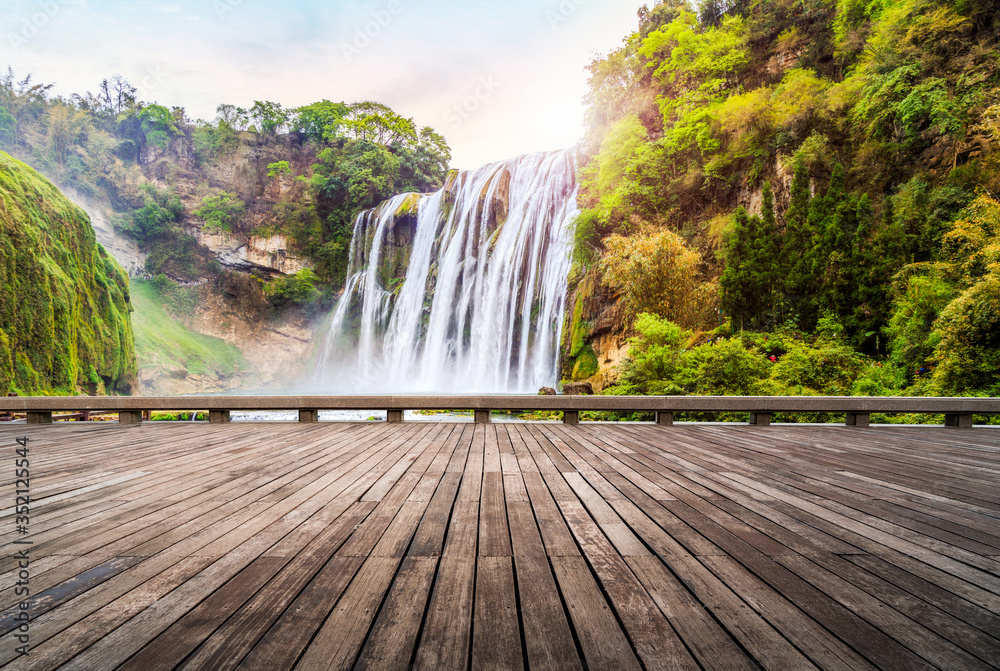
[857, 410]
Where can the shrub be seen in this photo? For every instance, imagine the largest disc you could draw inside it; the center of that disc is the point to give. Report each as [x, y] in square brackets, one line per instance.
[292, 290]
[221, 211]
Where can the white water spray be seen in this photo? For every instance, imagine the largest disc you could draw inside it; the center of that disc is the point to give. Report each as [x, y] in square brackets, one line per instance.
[481, 306]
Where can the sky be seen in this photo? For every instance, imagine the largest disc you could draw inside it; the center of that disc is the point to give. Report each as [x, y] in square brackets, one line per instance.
[497, 79]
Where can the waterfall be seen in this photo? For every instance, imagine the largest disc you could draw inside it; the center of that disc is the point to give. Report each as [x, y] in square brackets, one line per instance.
[479, 307]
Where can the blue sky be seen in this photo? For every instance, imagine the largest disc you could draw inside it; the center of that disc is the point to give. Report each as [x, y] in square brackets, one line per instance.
[497, 79]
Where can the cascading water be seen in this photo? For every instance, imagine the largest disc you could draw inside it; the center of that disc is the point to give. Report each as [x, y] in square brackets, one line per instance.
[479, 308]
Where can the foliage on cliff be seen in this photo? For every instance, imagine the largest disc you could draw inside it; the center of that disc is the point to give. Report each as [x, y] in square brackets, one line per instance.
[825, 160]
[64, 302]
[303, 172]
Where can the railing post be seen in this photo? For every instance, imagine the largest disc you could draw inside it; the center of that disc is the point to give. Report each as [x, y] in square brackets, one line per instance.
[218, 416]
[959, 420]
[857, 419]
[309, 415]
[665, 418]
[481, 416]
[571, 417]
[130, 416]
[43, 417]
[760, 418]
[394, 416]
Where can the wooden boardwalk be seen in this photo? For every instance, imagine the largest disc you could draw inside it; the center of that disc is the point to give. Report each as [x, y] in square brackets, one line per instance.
[505, 546]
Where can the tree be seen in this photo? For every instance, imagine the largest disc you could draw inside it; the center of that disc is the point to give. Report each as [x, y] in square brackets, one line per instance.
[322, 121]
[233, 117]
[270, 117]
[653, 272]
[375, 122]
[116, 95]
[750, 278]
[158, 125]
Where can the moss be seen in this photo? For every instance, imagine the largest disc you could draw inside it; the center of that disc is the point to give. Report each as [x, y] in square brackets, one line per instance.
[579, 328]
[6, 363]
[586, 364]
[409, 207]
[63, 302]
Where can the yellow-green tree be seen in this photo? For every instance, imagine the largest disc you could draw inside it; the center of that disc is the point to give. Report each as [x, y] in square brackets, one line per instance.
[654, 272]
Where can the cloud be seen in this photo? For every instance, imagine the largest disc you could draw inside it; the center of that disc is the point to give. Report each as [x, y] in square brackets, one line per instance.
[423, 58]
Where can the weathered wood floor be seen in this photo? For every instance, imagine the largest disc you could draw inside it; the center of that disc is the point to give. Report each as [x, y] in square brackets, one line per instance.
[502, 546]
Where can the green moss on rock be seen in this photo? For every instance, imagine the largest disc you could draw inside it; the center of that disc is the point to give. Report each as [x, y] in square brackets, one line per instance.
[64, 307]
[586, 364]
[579, 328]
[409, 207]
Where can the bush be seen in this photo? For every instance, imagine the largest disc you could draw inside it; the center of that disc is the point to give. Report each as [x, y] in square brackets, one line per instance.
[723, 368]
[221, 211]
[293, 290]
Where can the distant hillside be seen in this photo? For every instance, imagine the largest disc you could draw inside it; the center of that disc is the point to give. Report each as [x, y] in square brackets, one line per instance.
[64, 302]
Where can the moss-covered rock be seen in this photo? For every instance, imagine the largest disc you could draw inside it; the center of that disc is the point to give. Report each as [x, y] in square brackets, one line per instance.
[409, 207]
[579, 328]
[64, 303]
[586, 364]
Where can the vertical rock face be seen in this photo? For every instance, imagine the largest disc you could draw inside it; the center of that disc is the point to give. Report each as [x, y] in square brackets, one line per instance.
[64, 302]
[270, 254]
[460, 290]
[124, 250]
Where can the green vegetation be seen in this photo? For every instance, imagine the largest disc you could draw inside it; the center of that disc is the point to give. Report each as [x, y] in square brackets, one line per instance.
[809, 164]
[113, 147]
[163, 343]
[64, 302]
[299, 290]
[221, 211]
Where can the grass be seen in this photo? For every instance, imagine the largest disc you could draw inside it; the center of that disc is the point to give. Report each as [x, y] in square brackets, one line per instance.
[162, 341]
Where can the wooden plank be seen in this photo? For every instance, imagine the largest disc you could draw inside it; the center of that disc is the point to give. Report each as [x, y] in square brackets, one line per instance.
[233, 640]
[284, 642]
[859, 634]
[556, 535]
[394, 635]
[700, 632]
[926, 642]
[447, 635]
[548, 639]
[604, 644]
[171, 647]
[494, 537]
[338, 641]
[822, 648]
[496, 637]
[429, 538]
[57, 637]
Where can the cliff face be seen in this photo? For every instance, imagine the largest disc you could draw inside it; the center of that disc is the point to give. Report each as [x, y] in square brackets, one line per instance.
[64, 302]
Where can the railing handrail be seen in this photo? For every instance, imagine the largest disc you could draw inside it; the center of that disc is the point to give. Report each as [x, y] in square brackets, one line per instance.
[958, 411]
[833, 404]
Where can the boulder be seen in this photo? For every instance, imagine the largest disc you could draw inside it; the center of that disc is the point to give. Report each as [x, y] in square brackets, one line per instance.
[546, 391]
[578, 389]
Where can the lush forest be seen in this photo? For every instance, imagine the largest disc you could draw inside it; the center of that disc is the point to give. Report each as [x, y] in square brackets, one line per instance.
[304, 172]
[64, 302]
[794, 197]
